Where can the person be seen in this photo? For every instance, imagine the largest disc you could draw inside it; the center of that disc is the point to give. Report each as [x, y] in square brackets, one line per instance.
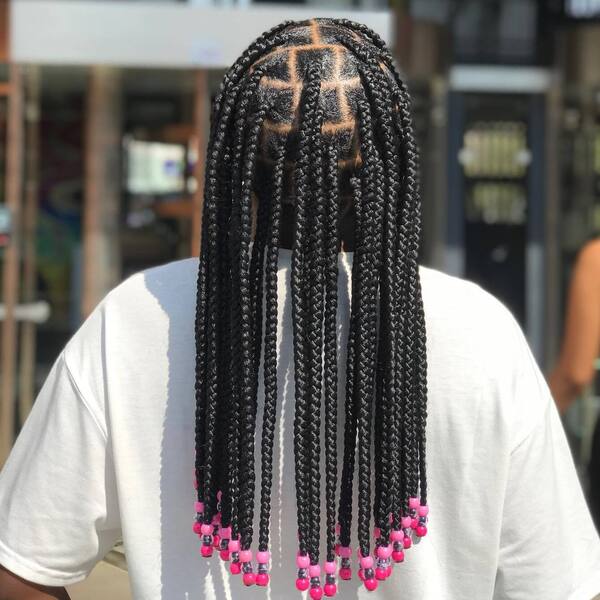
[207, 410]
[574, 370]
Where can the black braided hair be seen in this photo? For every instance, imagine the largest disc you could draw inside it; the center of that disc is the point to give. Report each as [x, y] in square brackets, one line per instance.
[312, 123]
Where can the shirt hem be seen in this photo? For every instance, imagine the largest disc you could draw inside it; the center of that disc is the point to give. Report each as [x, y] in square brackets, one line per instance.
[21, 567]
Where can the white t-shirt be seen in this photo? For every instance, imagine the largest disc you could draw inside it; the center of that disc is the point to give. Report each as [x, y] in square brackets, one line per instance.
[108, 452]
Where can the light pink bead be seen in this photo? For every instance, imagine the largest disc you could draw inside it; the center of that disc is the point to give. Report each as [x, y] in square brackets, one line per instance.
[413, 503]
[384, 551]
[423, 510]
[406, 521]
[206, 529]
[397, 535]
[199, 507]
[346, 552]
[303, 561]
[314, 571]
[234, 545]
[330, 567]
[246, 556]
[225, 533]
[366, 562]
[263, 556]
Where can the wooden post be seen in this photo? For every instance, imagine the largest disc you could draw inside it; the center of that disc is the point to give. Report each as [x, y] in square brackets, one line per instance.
[101, 247]
[201, 103]
[10, 275]
[30, 209]
[4, 27]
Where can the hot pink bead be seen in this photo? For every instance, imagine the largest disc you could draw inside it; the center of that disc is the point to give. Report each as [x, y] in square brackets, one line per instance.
[234, 545]
[380, 573]
[423, 510]
[384, 551]
[346, 573]
[216, 519]
[225, 532]
[397, 535]
[361, 575]
[330, 567]
[235, 568]
[206, 529]
[197, 528]
[366, 562]
[249, 578]
[397, 556]
[413, 503]
[337, 549]
[195, 484]
[371, 584]
[414, 523]
[388, 570]
[376, 532]
[314, 571]
[224, 554]
[206, 551]
[302, 584]
[316, 593]
[421, 530]
[407, 542]
[346, 552]
[330, 589]
[302, 561]
[199, 507]
[405, 522]
[262, 579]
[216, 541]
[246, 556]
[263, 556]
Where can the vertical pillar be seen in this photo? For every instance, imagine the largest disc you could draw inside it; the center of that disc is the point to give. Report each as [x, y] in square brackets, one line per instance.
[10, 273]
[30, 210]
[102, 186]
[201, 103]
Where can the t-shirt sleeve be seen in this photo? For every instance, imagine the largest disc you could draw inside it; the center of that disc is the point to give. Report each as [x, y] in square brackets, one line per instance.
[549, 547]
[58, 503]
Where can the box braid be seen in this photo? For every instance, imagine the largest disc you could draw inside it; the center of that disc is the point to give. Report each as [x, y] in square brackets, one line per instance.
[311, 115]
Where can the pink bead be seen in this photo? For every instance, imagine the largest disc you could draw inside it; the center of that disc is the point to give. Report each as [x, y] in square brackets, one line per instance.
[235, 568]
[397, 535]
[330, 567]
[219, 495]
[216, 541]
[330, 589]
[366, 562]
[199, 507]
[249, 578]
[397, 556]
[423, 510]
[421, 530]
[263, 556]
[346, 573]
[302, 584]
[414, 523]
[316, 593]
[314, 571]
[246, 556]
[224, 554]
[413, 503]
[371, 584]
[225, 533]
[346, 552]
[262, 579]
[361, 574]
[337, 549]
[407, 542]
[206, 529]
[234, 545]
[384, 551]
[405, 522]
[388, 571]
[338, 528]
[206, 551]
[197, 528]
[376, 532]
[216, 520]
[302, 561]
[380, 573]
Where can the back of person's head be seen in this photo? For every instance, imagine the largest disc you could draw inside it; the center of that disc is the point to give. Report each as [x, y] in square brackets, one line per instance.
[312, 122]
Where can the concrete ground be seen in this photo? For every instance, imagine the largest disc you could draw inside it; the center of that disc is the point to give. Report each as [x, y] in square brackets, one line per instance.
[105, 581]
